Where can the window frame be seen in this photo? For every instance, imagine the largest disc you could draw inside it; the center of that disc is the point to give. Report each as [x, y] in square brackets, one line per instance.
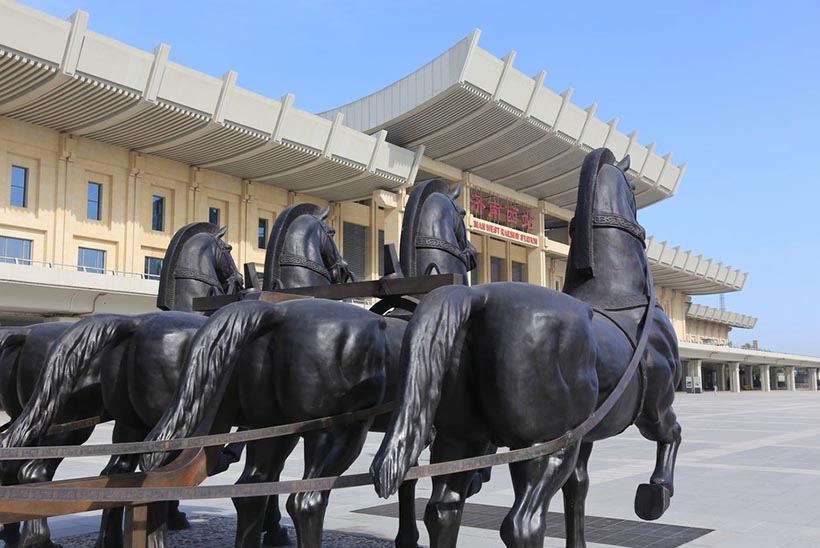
[9, 259]
[262, 239]
[90, 269]
[211, 211]
[158, 199]
[147, 274]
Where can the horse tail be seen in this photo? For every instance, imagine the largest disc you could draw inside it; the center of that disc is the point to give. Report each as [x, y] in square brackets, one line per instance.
[434, 332]
[208, 369]
[65, 364]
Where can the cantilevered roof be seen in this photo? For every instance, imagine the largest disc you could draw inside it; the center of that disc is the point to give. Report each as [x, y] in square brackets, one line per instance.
[477, 112]
[683, 270]
[59, 74]
[728, 354]
[716, 315]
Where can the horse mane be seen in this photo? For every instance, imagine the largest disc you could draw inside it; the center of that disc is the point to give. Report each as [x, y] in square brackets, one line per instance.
[276, 243]
[410, 224]
[583, 253]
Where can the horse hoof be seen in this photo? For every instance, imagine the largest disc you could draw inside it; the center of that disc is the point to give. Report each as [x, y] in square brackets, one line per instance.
[651, 501]
[276, 538]
[177, 521]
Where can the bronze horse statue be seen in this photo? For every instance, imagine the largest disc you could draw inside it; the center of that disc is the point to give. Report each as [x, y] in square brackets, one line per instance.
[515, 365]
[295, 361]
[116, 366]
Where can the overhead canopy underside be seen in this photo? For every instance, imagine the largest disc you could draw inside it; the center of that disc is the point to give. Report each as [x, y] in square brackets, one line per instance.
[478, 113]
[716, 315]
[692, 274]
[58, 74]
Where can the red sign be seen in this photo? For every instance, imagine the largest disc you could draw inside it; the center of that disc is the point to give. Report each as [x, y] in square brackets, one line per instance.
[501, 211]
[504, 232]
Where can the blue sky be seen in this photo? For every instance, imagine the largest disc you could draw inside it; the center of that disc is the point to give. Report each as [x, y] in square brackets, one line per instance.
[732, 88]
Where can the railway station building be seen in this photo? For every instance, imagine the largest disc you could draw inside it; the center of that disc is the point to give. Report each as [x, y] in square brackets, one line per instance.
[106, 150]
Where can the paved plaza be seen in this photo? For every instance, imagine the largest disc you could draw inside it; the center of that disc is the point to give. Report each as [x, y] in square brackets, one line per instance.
[747, 476]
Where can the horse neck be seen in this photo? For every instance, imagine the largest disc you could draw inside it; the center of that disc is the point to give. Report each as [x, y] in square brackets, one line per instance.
[201, 261]
[307, 246]
[620, 269]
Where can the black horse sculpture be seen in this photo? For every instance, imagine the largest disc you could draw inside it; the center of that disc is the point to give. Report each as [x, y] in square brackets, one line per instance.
[515, 365]
[295, 361]
[118, 366]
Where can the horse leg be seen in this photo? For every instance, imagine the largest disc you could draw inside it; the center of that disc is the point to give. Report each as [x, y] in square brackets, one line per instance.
[652, 499]
[443, 513]
[535, 482]
[264, 461]
[275, 534]
[327, 453]
[35, 532]
[575, 493]
[408, 535]
[111, 523]
[8, 476]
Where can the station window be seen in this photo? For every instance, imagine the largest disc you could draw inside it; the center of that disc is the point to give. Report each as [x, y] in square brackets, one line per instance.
[15, 250]
[158, 213]
[153, 268]
[91, 260]
[93, 208]
[381, 252]
[353, 239]
[213, 215]
[262, 234]
[517, 271]
[496, 269]
[19, 186]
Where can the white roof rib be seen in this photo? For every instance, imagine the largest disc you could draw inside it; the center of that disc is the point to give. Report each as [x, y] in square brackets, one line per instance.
[478, 113]
[710, 314]
[59, 74]
[690, 273]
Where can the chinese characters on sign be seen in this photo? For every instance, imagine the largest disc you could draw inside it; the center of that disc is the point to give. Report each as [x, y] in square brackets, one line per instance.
[497, 210]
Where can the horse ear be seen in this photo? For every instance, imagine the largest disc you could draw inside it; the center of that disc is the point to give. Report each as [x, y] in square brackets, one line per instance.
[325, 212]
[623, 165]
[455, 193]
[221, 232]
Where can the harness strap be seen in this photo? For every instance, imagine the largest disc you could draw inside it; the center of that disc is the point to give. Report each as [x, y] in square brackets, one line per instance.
[289, 259]
[429, 242]
[181, 273]
[613, 220]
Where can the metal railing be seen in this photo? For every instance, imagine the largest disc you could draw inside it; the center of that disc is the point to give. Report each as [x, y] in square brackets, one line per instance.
[77, 268]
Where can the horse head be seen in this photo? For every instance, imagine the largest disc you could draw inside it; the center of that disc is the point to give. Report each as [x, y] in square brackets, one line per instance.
[197, 263]
[331, 256]
[606, 200]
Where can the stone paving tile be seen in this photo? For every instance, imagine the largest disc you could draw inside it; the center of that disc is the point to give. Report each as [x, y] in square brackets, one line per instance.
[750, 473]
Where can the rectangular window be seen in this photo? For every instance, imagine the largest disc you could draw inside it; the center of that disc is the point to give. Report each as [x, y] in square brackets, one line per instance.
[153, 267]
[496, 269]
[91, 260]
[15, 250]
[353, 239]
[517, 274]
[19, 186]
[473, 274]
[158, 213]
[262, 234]
[93, 209]
[213, 215]
[381, 252]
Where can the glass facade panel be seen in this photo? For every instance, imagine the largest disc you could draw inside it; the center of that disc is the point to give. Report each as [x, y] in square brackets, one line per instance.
[353, 237]
[517, 274]
[94, 198]
[19, 186]
[213, 215]
[91, 260]
[158, 214]
[15, 250]
[496, 269]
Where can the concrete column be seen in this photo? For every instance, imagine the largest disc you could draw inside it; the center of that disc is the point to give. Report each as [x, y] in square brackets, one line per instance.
[721, 371]
[790, 379]
[765, 378]
[812, 376]
[734, 376]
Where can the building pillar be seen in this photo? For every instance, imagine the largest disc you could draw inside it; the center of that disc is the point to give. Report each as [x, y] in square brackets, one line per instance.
[811, 374]
[790, 379]
[536, 259]
[721, 371]
[749, 377]
[734, 376]
[765, 378]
